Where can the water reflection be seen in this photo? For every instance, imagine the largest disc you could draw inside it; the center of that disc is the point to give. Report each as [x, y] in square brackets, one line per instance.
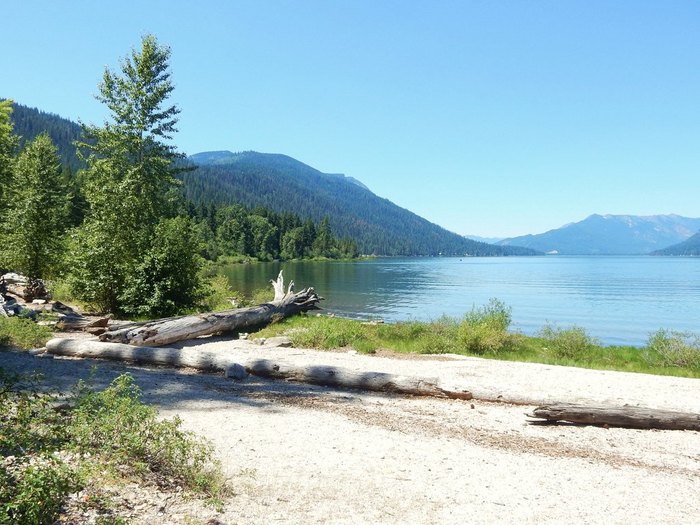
[619, 299]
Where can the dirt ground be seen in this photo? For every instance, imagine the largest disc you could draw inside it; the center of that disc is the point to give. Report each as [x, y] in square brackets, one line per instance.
[299, 453]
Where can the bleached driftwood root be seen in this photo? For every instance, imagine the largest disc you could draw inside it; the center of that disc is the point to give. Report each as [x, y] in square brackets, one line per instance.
[164, 331]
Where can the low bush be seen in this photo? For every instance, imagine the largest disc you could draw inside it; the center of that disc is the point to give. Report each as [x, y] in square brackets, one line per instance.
[219, 294]
[48, 455]
[674, 349]
[568, 343]
[127, 432]
[484, 330]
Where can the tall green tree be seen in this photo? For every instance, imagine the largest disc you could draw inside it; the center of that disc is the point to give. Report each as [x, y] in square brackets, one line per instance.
[324, 243]
[8, 146]
[131, 168]
[38, 210]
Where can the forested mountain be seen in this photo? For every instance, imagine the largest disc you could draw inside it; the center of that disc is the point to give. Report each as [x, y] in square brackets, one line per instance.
[31, 122]
[612, 235]
[284, 184]
[690, 246]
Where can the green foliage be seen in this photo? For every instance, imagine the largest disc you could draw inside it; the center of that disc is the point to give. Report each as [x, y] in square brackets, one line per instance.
[484, 330]
[29, 123]
[119, 264]
[219, 294]
[33, 483]
[99, 268]
[32, 491]
[324, 244]
[442, 336]
[22, 333]
[38, 210]
[48, 454]
[672, 348]
[327, 332]
[260, 296]
[568, 343]
[127, 432]
[168, 279]
[8, 147]
[235, 231]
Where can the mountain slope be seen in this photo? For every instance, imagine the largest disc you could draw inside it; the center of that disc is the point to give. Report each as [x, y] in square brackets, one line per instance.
[690, 246]
[282, 183]
[611, 235]
[30, 122]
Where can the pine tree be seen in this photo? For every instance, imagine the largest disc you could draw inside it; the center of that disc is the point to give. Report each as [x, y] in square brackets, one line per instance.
[324, 242]
[38, 210]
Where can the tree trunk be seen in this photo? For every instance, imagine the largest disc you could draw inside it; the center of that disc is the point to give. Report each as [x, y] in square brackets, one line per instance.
[164, 331]
[626, 416]
[274, 369]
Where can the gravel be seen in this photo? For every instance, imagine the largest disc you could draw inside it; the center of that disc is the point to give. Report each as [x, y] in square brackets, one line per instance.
[299, 453]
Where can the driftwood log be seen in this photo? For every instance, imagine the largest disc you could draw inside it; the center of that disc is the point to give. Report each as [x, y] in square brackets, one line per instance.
[164, 331]
[625, 416]
[269, 368]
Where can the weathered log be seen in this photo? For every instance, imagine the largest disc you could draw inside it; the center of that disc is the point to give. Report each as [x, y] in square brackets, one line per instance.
[78, 322]
[163, 331]
[625, 416]
[274, 369]
[340, 377]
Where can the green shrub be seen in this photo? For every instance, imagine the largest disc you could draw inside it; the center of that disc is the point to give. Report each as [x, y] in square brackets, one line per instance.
[125, 431]
[168, 279]
[568, 343]
[484, 330]
[674, 349]
[439, 337]
[33, 483]
[33, 490]
[49, 454]
[22, 333]
[219, 294]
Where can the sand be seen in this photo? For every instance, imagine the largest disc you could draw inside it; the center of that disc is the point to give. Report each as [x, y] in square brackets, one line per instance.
[303, 454]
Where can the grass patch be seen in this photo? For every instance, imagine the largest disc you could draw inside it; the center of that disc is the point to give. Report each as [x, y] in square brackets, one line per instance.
[483, 332]
[23, 333]
[106, 435]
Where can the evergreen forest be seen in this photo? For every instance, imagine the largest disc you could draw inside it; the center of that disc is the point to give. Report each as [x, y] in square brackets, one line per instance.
[101, 207]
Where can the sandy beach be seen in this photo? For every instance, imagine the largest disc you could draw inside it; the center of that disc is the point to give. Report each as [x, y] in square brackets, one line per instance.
[298, 453]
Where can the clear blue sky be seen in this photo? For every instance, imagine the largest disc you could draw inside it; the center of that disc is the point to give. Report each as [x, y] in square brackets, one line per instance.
[487, 117]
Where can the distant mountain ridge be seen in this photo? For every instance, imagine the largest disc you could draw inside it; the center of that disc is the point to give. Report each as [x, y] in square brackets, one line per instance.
[222, 158]
[282, 184]
[611, 235]
[689, 247]
[487, 240]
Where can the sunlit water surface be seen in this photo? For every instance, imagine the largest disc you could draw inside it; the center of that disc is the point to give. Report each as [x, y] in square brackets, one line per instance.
[617, 299]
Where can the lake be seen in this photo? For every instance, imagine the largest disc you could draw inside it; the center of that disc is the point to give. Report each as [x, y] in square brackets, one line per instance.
[617, 299]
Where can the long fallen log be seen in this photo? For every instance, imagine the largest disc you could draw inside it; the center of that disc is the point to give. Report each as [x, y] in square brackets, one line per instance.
[268, 368]
[625, 416]
[164, 331]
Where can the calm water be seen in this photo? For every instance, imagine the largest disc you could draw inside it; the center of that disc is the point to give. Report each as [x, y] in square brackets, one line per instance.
[618, 299]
